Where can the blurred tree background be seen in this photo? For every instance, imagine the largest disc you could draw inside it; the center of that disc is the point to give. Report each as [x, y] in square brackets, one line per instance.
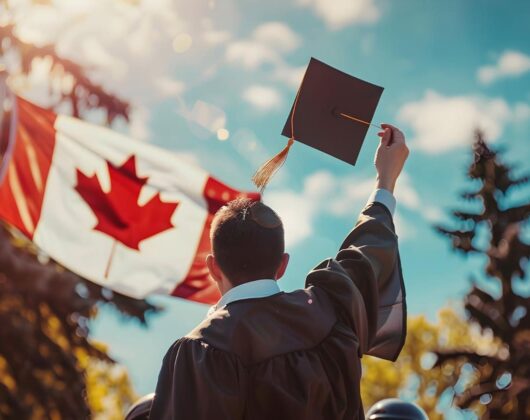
[414, 375]
[479, 361]
[49, 368]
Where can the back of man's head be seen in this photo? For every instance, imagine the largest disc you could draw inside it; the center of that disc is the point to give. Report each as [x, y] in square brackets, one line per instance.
[247, 241]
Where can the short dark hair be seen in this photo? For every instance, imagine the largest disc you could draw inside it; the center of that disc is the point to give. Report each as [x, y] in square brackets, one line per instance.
[247, 240]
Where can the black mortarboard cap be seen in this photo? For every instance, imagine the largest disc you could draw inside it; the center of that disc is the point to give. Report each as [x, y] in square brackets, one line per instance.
[332, 113]
[326, 97]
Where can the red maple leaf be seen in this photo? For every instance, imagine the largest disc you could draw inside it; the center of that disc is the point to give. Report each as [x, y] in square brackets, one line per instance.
[118, 212]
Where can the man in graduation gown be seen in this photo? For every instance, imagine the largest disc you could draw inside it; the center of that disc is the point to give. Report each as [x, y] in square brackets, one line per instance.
[266, 354]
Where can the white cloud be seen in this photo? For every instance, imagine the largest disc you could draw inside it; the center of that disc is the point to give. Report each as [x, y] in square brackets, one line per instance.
[205, 115]
[119, 43]
[297, 212]
[267, 46]
[326, 194]
[262, 97]
[433, 214]
[251, 152]
[319, 184]
[38, 78]
[139, 122]
[405, 192]
[443, 123]
[407, 196]
[215, 38]
[510, 64]
[277, 35]
[123, 55]
[404, 229]
[251, 54]
[167, 86]
[340, 13]
[250, 148]
[291, 76]
[352, 193]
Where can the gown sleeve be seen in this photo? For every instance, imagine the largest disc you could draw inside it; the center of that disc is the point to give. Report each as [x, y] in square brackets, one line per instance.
[199, 382]
[365, 284]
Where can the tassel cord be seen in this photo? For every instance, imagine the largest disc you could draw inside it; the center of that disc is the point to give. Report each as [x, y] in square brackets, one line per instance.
[263, 175]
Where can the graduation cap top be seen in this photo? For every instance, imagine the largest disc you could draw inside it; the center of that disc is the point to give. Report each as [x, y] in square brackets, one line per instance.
[331, 112]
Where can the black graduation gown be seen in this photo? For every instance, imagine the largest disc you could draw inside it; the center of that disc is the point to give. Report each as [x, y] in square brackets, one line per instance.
[294, 355]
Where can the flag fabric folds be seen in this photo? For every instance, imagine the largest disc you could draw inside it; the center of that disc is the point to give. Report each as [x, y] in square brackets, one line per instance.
[121, 213]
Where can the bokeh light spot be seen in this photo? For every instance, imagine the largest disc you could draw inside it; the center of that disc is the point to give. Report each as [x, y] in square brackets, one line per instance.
[182, 43]
[223, 134]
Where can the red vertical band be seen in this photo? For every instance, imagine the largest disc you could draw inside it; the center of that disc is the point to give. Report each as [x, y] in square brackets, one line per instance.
[23, 187]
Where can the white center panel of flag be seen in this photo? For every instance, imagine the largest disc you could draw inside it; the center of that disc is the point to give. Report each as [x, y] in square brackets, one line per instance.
[66, 228]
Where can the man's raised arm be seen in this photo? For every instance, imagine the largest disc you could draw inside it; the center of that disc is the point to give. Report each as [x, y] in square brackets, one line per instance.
[365, 278]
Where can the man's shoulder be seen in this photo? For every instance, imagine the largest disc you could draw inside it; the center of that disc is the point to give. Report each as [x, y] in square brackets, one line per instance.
[257, 329]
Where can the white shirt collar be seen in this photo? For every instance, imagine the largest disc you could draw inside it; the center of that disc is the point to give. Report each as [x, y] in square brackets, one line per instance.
[252, 289]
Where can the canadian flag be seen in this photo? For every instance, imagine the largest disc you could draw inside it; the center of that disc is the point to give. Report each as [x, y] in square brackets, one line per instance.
[121, 213]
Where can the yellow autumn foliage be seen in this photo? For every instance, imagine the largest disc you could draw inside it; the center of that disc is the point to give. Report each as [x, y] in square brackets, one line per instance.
[109, 390]
[413, 372]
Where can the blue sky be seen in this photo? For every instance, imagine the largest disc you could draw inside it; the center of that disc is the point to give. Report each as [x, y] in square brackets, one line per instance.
[192, 70]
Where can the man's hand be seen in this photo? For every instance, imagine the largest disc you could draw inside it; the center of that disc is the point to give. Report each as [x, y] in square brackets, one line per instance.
[390, 157]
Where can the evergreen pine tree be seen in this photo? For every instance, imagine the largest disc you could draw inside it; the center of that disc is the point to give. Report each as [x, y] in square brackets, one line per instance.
[500, 379]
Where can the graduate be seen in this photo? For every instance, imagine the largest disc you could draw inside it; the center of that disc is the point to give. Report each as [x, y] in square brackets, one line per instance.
[266, 354]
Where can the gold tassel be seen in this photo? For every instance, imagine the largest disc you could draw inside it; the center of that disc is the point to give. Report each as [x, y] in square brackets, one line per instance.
[268, 169]
[265, 172]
